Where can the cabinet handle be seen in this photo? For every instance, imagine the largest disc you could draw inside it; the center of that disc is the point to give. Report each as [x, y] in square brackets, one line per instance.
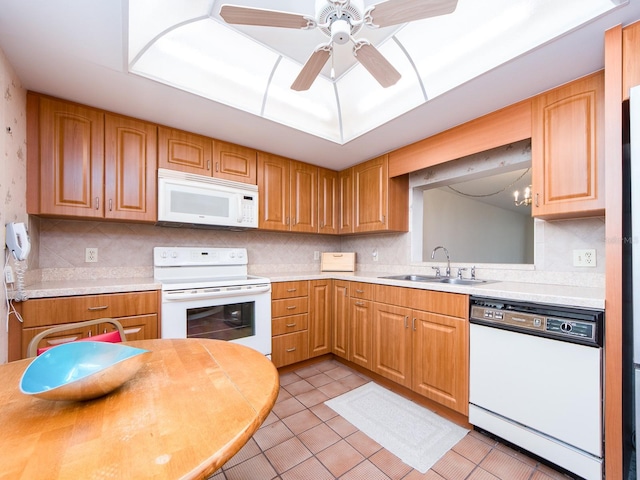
[359, 304]
[208, 164]
[286, 222]
[384, 219]
[217, 166]
[359, 291]
[101, 307]
[289, 290]
[97, 203]
[291, 307]
[291, 324]
[406, 321]
[129, 331]
[110, 204]
[291, 349]
[537, 195]
[413, 324]
[321, 224]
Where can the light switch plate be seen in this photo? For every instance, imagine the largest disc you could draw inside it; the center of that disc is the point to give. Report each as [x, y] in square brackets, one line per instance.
[585, 257]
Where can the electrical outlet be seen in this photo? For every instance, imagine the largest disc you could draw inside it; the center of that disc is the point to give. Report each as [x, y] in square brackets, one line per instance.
[91, 255]
[375, 255]
[8, 274]
[584, 257]
[316, 255]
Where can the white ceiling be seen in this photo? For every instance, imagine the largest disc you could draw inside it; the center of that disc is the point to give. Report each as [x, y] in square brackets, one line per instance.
[77, 50]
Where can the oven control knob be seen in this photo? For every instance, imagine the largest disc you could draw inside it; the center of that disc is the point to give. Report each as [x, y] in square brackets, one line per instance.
[174, 254]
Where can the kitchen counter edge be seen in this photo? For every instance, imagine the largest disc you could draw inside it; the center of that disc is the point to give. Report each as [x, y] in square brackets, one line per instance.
[576, 296]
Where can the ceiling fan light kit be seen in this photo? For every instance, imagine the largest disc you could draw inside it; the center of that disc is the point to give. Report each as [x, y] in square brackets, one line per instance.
[341, 20]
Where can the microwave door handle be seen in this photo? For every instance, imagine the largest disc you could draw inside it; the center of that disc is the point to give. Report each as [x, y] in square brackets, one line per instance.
[239, 208]
[188, 295]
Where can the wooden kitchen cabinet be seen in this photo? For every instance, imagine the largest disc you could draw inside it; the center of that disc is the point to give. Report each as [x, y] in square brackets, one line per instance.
[288, 195]
[192, 153]
[392, 351]
[234, 162]
[361, 324]
[65, 158]
[290, 322]
[87, 164]
[567, 148]
[320, 303]
[184, 151]
[328, 201]
[379, 203]
[130, 169]
[440, 359]
[340, 315]
[345, 187]
[137, 311]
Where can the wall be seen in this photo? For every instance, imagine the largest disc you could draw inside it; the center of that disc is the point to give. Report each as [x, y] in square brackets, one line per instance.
[13, 172]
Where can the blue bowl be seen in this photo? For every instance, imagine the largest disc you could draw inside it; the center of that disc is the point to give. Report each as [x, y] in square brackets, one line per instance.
[81, 370]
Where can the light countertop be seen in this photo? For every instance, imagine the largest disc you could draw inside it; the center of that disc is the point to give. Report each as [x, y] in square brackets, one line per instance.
[578, 296]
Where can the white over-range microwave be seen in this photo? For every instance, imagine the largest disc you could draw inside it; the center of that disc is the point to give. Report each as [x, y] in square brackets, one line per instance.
[189, 199]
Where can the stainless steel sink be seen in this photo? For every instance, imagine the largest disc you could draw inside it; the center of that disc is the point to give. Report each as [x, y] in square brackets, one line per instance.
[414, 278]
[425, 278]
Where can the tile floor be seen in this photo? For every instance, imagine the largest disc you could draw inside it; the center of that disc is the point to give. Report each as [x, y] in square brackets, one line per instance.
[304, 439]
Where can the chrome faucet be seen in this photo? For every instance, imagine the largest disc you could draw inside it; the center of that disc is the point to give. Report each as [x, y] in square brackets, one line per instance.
[446, 252]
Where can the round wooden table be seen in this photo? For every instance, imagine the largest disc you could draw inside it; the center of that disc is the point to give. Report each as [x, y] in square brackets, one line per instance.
[189, 409]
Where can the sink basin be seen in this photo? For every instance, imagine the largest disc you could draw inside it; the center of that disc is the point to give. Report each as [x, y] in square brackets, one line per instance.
[425, 278]
[414, 278]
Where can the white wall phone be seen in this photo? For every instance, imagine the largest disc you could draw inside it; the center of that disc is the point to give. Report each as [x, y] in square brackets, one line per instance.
[18, 240]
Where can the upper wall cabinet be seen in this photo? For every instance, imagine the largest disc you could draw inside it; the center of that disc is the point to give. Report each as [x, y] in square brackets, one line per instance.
[188, 152]
[84, 163]
[379, 203]
[288, 194]
[327, 201]
[567, 149]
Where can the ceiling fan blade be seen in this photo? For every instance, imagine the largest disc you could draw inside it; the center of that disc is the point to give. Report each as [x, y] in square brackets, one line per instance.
[376, 64]
[265, 18]
[394, 12]
[312, 68]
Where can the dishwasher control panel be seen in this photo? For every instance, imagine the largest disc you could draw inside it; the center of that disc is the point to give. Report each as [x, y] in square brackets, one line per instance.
[563, 323]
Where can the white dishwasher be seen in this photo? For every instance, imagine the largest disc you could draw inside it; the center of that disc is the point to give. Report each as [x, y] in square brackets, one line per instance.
[535, 380]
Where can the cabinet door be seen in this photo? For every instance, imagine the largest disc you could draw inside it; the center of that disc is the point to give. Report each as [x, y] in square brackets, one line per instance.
[273, 192]
[183, 151]
[441, 360]
[361, 325]
[319, 317]
[340, 341]
[304, 197]
[345, 184]
[327, 201]
[392, 343]
[234, 162]
[370, 195]
[567, 148]
[71, 159]
[130, 169]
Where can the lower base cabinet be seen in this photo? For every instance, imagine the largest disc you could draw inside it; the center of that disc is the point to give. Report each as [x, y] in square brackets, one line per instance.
[136, 311]
[301, 320]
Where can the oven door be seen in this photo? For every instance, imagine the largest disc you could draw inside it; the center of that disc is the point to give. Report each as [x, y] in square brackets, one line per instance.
[236, 314]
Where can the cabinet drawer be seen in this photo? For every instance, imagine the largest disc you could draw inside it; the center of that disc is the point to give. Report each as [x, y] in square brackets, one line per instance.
[289, 306]
[362, 290]
[139, 327]
[290, 348]
[289, 289]
[57, 338]
[290, 324]
[54, 311]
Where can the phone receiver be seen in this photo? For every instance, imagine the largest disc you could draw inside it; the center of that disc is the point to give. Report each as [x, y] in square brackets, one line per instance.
[18, 240]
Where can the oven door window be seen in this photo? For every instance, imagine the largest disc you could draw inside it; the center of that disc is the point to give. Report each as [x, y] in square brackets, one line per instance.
[223, 322]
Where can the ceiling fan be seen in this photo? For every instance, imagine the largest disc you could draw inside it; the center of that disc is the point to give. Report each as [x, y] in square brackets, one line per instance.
[340, 20]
